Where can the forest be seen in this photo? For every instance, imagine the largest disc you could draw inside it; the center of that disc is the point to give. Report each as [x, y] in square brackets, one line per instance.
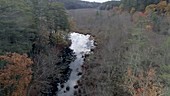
[131, 55]
[31, 31]
[78, 4]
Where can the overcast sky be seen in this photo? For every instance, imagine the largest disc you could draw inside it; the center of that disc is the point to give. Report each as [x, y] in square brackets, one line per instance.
[97, 0]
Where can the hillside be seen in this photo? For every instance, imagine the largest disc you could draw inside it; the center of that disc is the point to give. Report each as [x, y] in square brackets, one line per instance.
[109, 5]
[77, 4]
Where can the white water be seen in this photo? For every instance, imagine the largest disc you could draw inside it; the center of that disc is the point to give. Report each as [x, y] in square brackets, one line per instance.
[81, 45]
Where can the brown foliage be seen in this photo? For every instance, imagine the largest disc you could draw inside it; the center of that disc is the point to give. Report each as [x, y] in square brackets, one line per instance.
[137, 16]
[143, 83]
[17, 73]
[149, 28]
[162, 8]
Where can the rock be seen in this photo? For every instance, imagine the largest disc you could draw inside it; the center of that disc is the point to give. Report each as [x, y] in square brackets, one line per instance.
[80, 73]
[76, 86]
[62, 86]
[67, 88]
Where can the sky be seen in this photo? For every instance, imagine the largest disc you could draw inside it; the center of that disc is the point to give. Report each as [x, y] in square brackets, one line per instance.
[97, 0]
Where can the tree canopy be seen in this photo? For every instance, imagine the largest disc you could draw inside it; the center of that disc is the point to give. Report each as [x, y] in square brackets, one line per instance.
[16, 31]
[137, 4]
[22, 21]
[26, 27]
[78, 4]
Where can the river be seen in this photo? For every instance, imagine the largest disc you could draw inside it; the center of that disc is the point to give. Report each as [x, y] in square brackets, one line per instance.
[81, 46]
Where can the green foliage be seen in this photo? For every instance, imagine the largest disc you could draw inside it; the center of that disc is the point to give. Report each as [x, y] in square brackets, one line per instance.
[78, 4]
[137, 4]
[58, 39]
[164, 72]
[109, 5]
[24, 21]
[57, 17]
[15, 26]
[49, 18]
[2, 64]
[138, 49]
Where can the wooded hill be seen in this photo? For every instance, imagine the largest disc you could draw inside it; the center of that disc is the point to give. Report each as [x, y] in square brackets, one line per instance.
[109, 5]
[139, 5]
[77, 4]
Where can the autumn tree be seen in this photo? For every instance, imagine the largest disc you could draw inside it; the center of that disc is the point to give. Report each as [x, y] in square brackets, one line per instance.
[143, 83]
[16, 75]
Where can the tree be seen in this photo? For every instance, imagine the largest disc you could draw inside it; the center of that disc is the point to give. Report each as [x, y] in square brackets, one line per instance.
[138, 4]
[16, 31]
[143, 83]
[16, 75]
[109, 5]
[49, 18]
[78, 4]
[56, 17]
[29, 26]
